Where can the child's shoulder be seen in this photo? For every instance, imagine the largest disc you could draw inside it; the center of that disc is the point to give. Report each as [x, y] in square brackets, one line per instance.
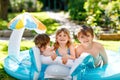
[98, 45]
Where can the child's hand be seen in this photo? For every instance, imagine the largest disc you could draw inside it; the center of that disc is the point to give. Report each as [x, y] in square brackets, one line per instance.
[53, 56]
[64, 59]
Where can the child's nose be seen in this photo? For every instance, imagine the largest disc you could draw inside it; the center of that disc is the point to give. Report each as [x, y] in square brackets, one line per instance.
[86, 38]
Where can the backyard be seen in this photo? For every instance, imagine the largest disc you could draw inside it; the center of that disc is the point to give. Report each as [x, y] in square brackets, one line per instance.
[101, 15]
[52, 25]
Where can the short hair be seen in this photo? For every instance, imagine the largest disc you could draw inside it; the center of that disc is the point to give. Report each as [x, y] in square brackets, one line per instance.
[41, 40]
[84, 29]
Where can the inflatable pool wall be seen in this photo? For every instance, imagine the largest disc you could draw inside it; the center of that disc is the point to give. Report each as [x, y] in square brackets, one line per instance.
[85, 70]
[29, 66]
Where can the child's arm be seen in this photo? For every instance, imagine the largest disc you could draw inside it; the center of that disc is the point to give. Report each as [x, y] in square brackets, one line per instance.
[103, 54]
[50, 52]
[78, 51]
[47, 52]
[53, 55]
[72, 52]
[67, 56]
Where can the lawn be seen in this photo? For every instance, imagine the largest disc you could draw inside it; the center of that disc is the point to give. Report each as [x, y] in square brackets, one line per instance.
[111, 45]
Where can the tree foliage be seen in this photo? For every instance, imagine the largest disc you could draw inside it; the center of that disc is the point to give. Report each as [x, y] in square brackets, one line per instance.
[104, 13]
[76, 9]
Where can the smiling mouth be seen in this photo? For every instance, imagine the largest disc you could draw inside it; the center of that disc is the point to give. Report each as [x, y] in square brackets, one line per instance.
[86, 41]
[62, 40]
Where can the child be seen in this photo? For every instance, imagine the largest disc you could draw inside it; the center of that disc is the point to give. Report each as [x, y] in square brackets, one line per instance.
[42, 41]
[63, 45]
[85, 36]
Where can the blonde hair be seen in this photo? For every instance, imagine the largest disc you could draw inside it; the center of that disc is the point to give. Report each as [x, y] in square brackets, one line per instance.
[41, 40]
[66, 31]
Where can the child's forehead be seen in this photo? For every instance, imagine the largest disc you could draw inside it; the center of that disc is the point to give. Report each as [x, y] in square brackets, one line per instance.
[84, 33]
[62, 32]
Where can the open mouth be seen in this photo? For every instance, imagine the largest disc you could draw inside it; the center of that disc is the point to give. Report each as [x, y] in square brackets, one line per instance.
[62, 40]
[86, 41]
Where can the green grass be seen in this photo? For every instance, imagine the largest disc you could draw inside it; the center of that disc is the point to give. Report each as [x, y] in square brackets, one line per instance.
[110, 45]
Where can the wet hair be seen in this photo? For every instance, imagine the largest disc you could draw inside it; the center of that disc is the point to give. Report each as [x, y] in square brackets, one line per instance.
[41, 40]
[84, 30]
[66, 31]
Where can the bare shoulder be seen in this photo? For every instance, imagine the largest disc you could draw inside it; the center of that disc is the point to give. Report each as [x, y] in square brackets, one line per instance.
[78, 50]
[98, 45]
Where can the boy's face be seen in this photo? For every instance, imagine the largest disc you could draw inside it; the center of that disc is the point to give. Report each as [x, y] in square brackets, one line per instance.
[62, 38]
[42, 49]
[85, 40]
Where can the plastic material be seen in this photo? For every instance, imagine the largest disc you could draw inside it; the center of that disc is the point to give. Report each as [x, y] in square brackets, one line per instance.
[85, 69]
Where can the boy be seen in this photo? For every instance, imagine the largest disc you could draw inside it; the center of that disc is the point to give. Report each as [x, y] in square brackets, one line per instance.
[42, 42]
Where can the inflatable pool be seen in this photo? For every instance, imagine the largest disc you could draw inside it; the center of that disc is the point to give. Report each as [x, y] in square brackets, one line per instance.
[27, 65]
[81, 69]
[86, 70]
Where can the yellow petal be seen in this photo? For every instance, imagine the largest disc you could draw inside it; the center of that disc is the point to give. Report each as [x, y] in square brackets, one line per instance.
[20, 24]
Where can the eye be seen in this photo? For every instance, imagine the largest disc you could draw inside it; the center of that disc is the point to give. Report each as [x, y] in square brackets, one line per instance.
[82, 37]
[88, 35]
[59, 35]
[64, 35]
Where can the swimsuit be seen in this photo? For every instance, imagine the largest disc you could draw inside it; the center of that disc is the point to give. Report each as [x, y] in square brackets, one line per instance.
[58, 54]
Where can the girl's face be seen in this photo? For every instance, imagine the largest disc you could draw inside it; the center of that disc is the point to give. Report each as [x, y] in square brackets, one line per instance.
[85, 40]
[62, 38]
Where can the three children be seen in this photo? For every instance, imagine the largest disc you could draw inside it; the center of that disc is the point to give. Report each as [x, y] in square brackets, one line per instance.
[64, 47]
